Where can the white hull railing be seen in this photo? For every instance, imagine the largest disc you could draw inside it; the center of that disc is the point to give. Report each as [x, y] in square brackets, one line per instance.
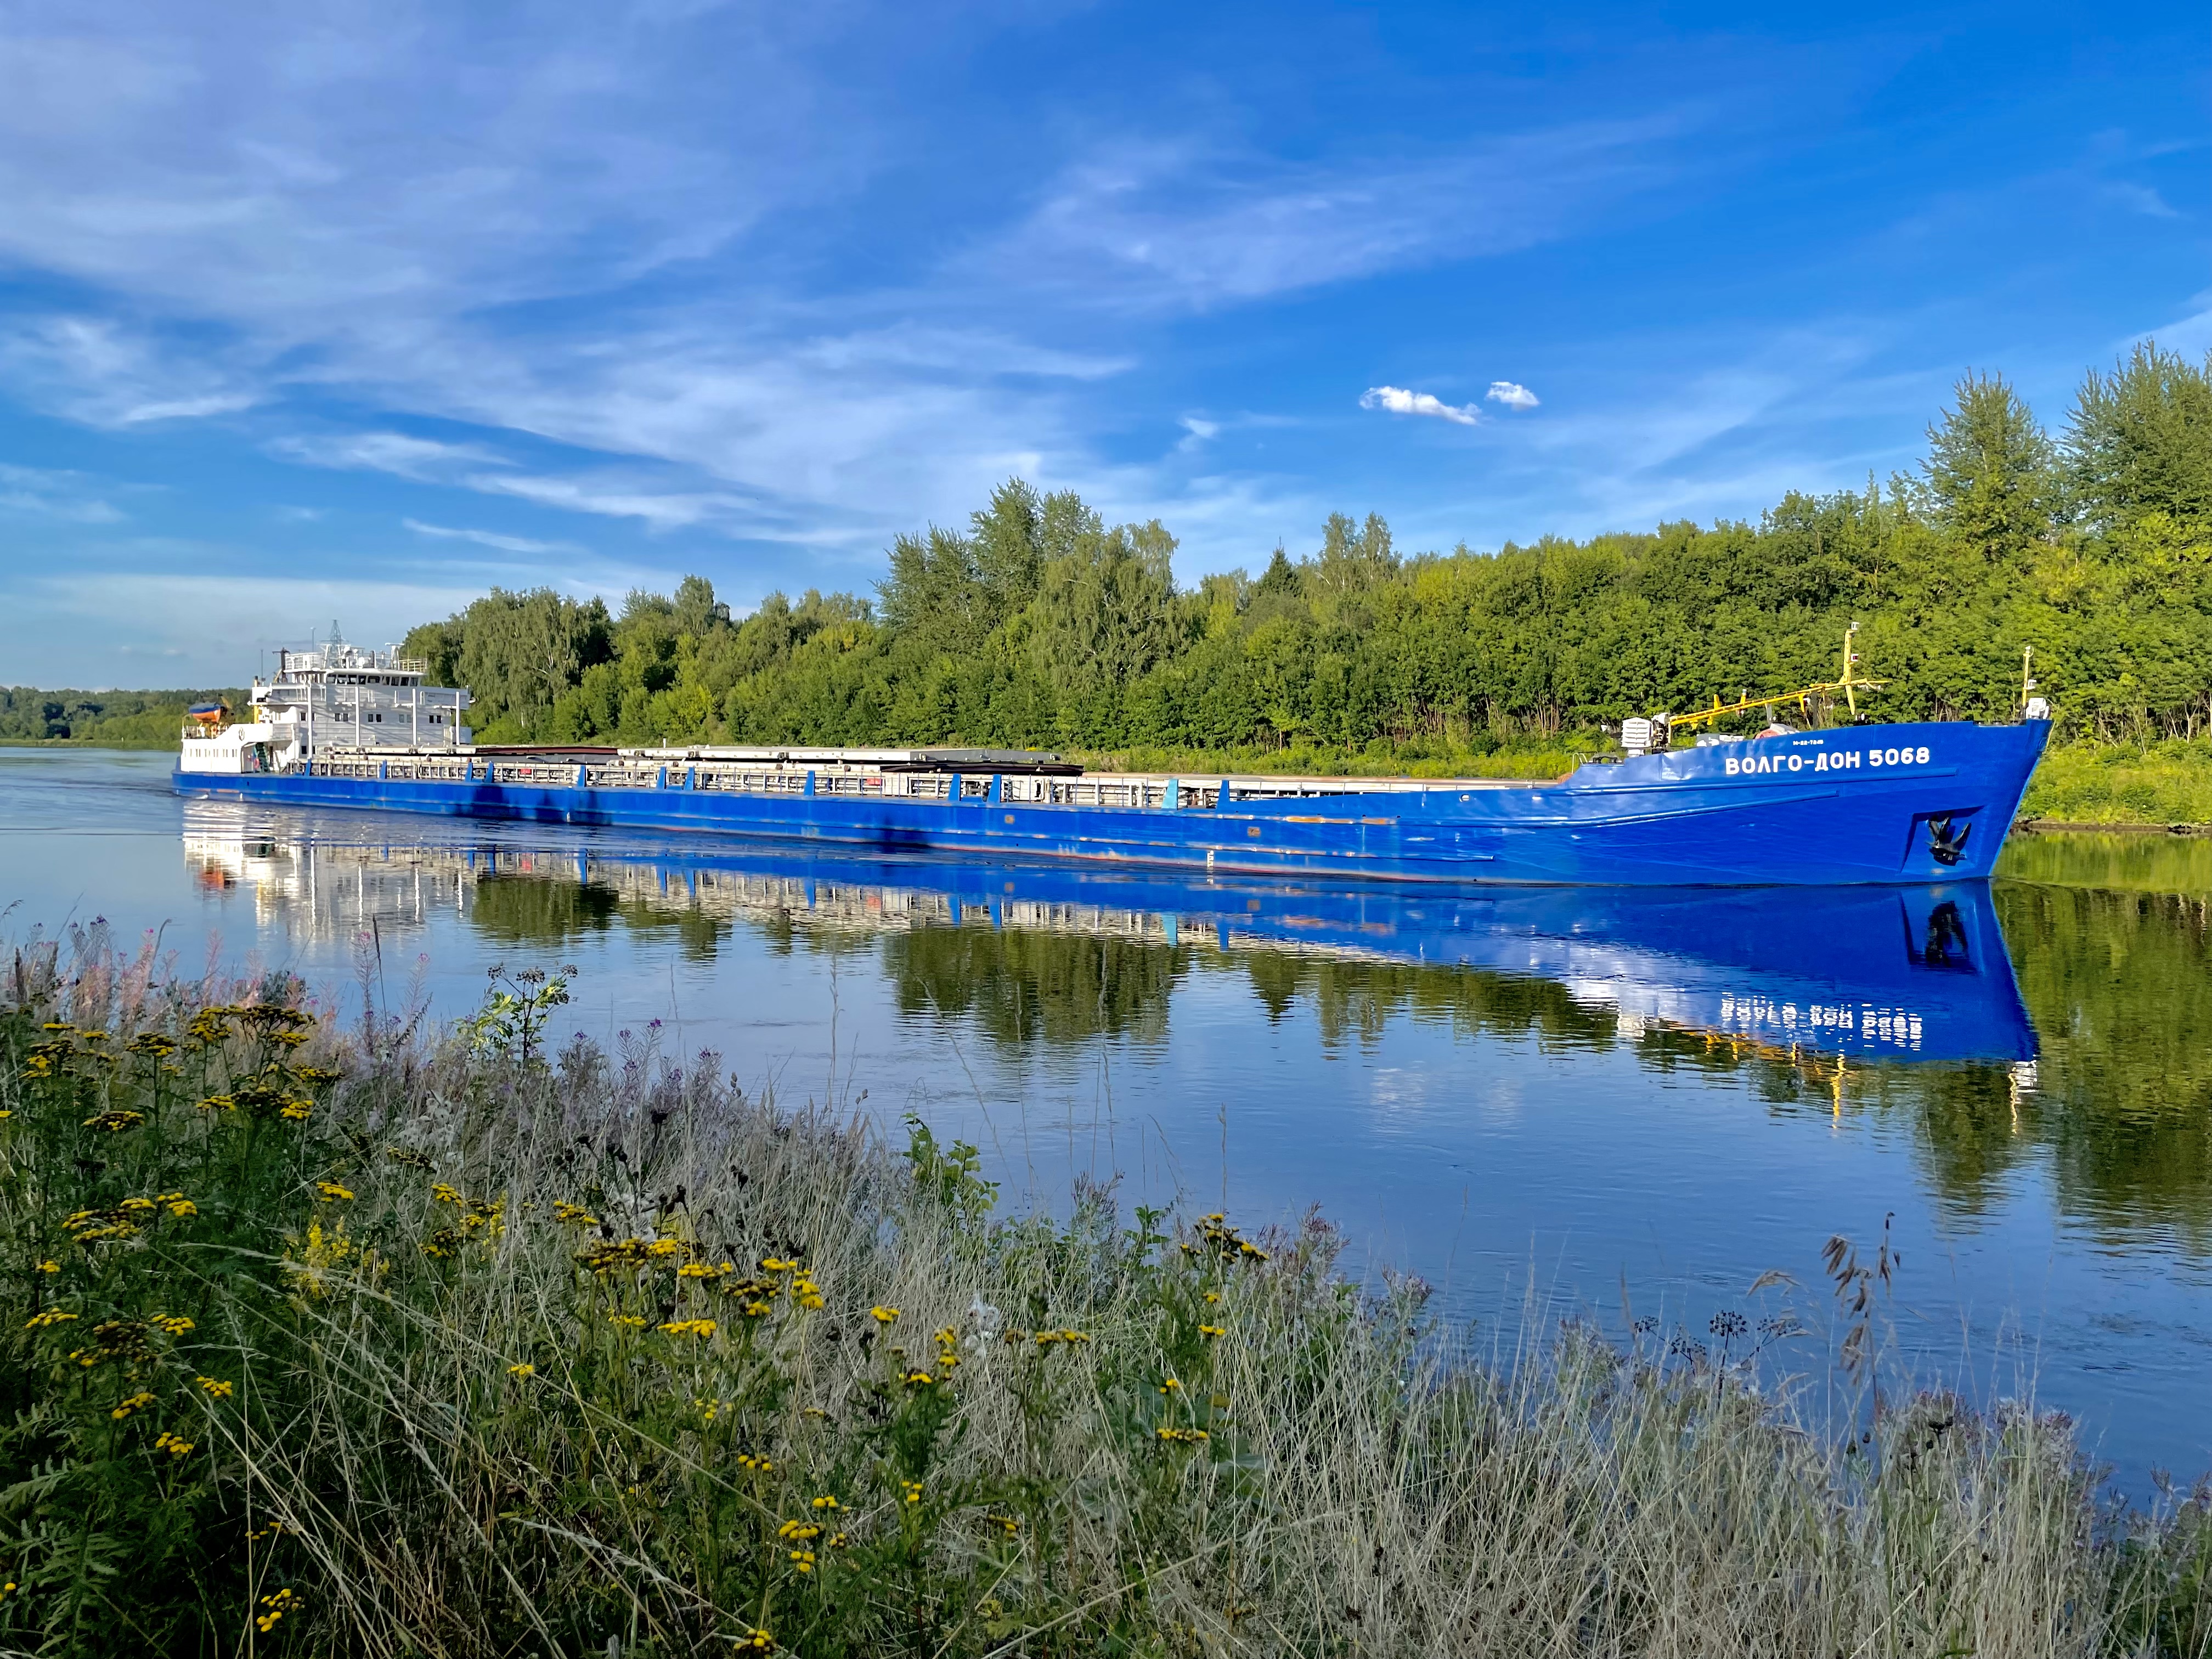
[1111, 789]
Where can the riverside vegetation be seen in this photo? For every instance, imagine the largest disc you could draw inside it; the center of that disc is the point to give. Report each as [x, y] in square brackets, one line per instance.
[384, 1342]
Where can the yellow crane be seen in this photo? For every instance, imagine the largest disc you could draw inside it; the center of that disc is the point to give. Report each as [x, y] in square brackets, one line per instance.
[1851, 685]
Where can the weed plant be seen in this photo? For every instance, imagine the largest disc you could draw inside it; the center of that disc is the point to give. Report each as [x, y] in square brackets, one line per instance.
[368, 1343]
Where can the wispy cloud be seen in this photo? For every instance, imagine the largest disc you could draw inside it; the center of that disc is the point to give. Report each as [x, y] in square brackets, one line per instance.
[97, 371]
[68, 496]
[425, 460]
[1513, 396]
[1399, 401]
[1190, 225]
[492, 538]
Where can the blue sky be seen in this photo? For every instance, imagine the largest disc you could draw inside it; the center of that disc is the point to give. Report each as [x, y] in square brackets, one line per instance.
[350, 311]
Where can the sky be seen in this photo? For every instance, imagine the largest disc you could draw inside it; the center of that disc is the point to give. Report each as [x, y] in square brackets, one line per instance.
[348, 312]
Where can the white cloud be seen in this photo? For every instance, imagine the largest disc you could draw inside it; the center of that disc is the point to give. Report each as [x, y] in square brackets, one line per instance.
[615, 498]
[425, 460]
[96, 371]
[1512, 396]
[1187, 224]
[1399, 401]
[206, 629]
[69, 496]
[492, 538]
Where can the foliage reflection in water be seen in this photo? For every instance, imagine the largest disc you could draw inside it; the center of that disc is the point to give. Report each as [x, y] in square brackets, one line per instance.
[1499, 1092]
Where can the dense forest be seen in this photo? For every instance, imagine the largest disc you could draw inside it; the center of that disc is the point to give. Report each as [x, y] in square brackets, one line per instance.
[1039, 624]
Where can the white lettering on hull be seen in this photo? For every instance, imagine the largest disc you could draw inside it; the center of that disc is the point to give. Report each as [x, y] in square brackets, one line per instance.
[1850, 760]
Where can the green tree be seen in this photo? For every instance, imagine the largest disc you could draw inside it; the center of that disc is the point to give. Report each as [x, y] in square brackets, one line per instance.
[1989, 469]
[2139, 440]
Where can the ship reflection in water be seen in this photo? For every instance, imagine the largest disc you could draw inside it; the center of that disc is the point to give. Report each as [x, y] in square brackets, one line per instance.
[1856, 973]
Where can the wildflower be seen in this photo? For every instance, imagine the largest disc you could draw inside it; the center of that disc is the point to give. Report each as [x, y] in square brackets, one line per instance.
[215, 1387]
[1183, 1437]
[1170, 1386]
[524, 1370]
[913, 1491]
[709, 1409]
[574, 1215]
[277, 1606]
[174, 1324]
[1005, 1523]
[634, 1321]
[690, 1328]
[173, 1445]
[52, 1316]
[703, 1270]
[805, 1293]
[1212, 1296]
[919, 1379]
[442, 1243]
[757, 1465]
[49, 1267]
[59, 1025]
[797, 1531]
[408, 1157]
[802, 1559]
[815, 1411]
[759, 1641]
[331, 1193]
[770, 1264]
[179, 1206]
[115, 1123]
[220, 1104]
[827, 1502]
[1212, 1330]
[125, 1407]
[1046, 1339]
[882, 1315]
[665, 1247]
[838, 1540]
[755, 1309]
[154, 1043]
[444, 1194]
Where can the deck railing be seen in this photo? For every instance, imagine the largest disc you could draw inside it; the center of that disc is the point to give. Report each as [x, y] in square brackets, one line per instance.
[1110, 789]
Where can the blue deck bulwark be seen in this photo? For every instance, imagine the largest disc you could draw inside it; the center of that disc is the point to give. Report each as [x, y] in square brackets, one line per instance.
[1900, 804]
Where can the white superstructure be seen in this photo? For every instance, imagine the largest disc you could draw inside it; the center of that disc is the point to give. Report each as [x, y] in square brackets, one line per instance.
[336, 696]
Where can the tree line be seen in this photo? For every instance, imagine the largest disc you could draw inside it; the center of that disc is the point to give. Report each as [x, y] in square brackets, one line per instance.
[1039, 624]
[114, 720]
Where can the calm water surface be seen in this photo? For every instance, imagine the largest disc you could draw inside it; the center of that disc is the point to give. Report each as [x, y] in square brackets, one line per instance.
[1614, 1101]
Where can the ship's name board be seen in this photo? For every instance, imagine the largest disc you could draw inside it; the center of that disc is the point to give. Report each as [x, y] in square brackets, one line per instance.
[1843, 761]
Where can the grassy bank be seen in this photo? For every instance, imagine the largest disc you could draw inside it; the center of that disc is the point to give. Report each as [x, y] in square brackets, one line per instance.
[2163, 782]
[373, 1343]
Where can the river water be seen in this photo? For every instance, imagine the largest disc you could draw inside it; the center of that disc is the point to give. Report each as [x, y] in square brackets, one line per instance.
[1611, 1105]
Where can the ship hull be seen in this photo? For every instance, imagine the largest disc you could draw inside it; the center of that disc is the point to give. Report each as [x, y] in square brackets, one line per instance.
[1893, 805]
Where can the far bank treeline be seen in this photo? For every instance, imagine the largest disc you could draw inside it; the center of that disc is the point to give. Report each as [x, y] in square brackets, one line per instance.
[1039, 624]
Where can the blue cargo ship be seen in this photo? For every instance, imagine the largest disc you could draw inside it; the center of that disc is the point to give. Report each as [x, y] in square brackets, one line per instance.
[1842, 806]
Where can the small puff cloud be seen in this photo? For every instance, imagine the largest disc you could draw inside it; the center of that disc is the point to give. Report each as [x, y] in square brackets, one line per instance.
[1512, 396]
[1399, 401]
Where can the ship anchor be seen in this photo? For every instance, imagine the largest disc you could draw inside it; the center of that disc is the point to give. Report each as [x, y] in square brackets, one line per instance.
[1947, 848]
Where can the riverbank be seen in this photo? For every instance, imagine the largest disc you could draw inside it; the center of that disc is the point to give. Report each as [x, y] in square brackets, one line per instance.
[464, 1346]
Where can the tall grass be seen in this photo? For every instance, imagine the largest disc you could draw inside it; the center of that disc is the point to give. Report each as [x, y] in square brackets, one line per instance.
[373, 1343]
[2165, 782]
